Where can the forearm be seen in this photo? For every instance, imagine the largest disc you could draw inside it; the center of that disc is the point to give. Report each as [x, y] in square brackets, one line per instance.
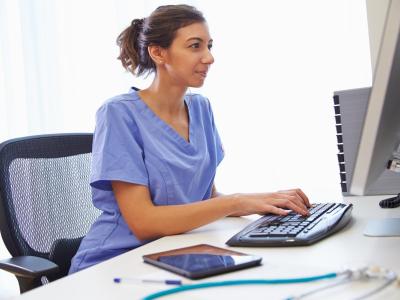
[175, 219]
[216, 194]
[148, 221]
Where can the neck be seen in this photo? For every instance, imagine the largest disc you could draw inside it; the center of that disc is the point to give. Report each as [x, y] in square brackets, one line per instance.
[164, 97]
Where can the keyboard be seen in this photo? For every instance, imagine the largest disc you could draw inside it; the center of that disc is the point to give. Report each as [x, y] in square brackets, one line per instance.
[294, 229]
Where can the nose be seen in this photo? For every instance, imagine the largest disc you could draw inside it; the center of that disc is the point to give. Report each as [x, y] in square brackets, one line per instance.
[208, 58]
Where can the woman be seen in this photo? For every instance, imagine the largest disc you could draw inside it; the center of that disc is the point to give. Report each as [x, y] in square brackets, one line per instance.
[155, 151]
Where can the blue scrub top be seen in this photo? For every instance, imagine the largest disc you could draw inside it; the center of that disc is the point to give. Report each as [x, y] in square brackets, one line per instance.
[132, 144]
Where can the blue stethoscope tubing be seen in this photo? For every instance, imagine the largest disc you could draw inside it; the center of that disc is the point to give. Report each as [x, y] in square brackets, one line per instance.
[187, 287]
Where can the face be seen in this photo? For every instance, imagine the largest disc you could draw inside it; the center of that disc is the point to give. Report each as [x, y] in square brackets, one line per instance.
[188, 59]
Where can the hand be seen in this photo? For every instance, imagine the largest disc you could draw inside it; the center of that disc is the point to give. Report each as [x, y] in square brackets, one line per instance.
[279, 203]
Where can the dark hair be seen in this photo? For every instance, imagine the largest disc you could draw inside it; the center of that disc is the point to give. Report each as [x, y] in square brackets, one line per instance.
[159, 29]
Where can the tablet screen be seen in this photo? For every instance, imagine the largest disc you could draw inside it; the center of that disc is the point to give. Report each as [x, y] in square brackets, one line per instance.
[201, 260]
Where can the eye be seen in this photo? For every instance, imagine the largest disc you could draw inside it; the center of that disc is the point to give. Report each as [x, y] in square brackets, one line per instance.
[195, 45]
[210, 46]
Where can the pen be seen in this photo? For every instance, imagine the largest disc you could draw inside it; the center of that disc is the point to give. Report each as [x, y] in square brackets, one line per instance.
[143, 280]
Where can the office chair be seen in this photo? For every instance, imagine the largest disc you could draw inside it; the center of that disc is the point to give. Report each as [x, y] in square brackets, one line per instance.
[45, 204]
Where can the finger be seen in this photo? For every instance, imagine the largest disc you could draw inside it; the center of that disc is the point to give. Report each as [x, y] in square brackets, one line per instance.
[300, 194]
[304, 197]
[286, 203]
[276, 210]
[294, 197]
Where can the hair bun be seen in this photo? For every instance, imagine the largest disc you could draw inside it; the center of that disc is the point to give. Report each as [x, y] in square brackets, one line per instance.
[137, 23]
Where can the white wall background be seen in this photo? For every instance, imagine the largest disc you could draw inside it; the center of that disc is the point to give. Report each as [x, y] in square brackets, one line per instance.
[277, 64]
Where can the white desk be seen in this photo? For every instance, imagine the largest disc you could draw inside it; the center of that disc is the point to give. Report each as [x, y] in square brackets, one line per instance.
[346, 248]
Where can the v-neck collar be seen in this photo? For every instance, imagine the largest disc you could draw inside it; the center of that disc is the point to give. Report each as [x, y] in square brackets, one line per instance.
[147, 111]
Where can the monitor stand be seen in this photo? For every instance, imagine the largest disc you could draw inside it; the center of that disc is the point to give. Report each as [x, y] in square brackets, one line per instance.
[383, 227]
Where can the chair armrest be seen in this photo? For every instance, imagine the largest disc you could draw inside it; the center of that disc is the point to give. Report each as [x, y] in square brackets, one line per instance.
[28, 266]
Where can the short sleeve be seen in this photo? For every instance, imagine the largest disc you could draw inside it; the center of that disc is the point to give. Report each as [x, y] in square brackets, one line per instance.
[117, 153]
[220, 152]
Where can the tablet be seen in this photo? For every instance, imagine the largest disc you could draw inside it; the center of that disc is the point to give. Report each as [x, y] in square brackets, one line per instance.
[201, 261]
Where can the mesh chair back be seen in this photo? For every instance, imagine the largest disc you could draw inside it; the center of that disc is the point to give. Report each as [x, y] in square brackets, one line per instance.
[45, 195]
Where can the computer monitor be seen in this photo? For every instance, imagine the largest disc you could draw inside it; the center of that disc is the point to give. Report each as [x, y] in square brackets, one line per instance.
[381, 130]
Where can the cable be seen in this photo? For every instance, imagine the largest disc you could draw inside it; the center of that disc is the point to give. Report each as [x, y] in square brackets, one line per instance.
[188, 287]
[349, 275]
[322, 288]
[365, 273]
[390, 202]
[390, 278]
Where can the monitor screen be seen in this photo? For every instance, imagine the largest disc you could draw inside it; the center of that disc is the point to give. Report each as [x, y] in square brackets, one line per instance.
[380, 138]
[381, 130]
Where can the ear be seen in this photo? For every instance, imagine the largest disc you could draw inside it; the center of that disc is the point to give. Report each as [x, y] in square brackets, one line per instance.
[157, 54]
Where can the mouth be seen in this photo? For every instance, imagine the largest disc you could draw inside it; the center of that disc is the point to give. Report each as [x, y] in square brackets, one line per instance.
[202, 74]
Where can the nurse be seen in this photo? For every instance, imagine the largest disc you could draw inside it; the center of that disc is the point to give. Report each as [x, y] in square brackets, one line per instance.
[156, 151]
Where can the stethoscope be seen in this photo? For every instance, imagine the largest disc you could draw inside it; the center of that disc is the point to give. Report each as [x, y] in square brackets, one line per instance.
[346, 276]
